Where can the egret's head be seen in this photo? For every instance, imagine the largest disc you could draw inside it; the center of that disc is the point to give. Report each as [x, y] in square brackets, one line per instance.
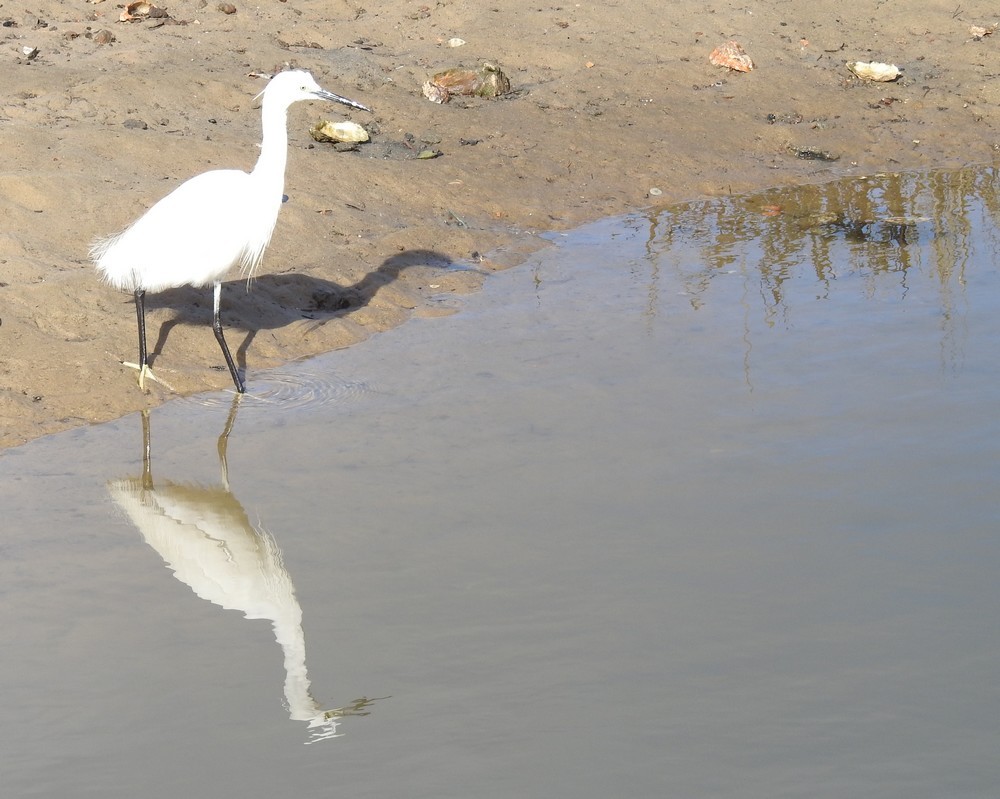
[294, 85]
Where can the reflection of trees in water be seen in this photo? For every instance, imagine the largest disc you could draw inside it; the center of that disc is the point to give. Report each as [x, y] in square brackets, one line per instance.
[878, 227]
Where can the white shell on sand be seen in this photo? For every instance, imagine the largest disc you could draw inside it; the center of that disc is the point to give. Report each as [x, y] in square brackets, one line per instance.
[340, 131]
[873, 70]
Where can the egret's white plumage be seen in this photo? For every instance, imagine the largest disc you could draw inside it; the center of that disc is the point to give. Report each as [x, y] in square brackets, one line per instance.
[154, 255]
[211, 223]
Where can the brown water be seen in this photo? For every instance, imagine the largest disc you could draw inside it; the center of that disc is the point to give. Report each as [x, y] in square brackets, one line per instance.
[699, 503]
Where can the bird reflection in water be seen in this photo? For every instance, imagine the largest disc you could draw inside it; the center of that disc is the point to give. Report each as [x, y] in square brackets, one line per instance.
[205, 537]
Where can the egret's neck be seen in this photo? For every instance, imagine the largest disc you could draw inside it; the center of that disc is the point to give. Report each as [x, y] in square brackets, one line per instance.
[270, 168]
[288, 632]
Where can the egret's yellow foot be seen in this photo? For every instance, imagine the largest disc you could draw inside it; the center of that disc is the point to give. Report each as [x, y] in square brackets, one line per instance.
[144, 372]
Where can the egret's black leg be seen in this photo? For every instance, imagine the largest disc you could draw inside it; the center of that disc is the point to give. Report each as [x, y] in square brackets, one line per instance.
[140, 315]
[217, 327]
[143, 366]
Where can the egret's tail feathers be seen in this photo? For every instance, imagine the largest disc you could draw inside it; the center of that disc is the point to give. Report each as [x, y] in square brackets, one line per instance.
[111, 269]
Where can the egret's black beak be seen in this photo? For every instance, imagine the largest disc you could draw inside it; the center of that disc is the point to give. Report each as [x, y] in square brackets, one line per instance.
[325, 95]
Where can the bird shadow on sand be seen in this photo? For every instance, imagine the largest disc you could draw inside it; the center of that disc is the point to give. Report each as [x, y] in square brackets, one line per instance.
[275, 301]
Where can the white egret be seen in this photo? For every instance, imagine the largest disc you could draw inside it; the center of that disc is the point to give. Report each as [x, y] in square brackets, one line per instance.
[210, 223]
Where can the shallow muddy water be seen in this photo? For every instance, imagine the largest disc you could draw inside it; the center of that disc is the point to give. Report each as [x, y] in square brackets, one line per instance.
[700, 502]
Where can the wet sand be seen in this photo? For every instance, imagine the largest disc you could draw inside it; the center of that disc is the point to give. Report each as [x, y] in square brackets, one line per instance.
[614, 107]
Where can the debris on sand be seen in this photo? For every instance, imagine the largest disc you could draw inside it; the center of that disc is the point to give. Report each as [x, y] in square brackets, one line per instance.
[487, 81]
[813, 154]
[325, 131]
[874, 70]
[138, 11]
[732, 56]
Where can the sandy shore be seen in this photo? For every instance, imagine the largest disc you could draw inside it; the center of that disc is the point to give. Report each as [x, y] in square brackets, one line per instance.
[609, 101]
